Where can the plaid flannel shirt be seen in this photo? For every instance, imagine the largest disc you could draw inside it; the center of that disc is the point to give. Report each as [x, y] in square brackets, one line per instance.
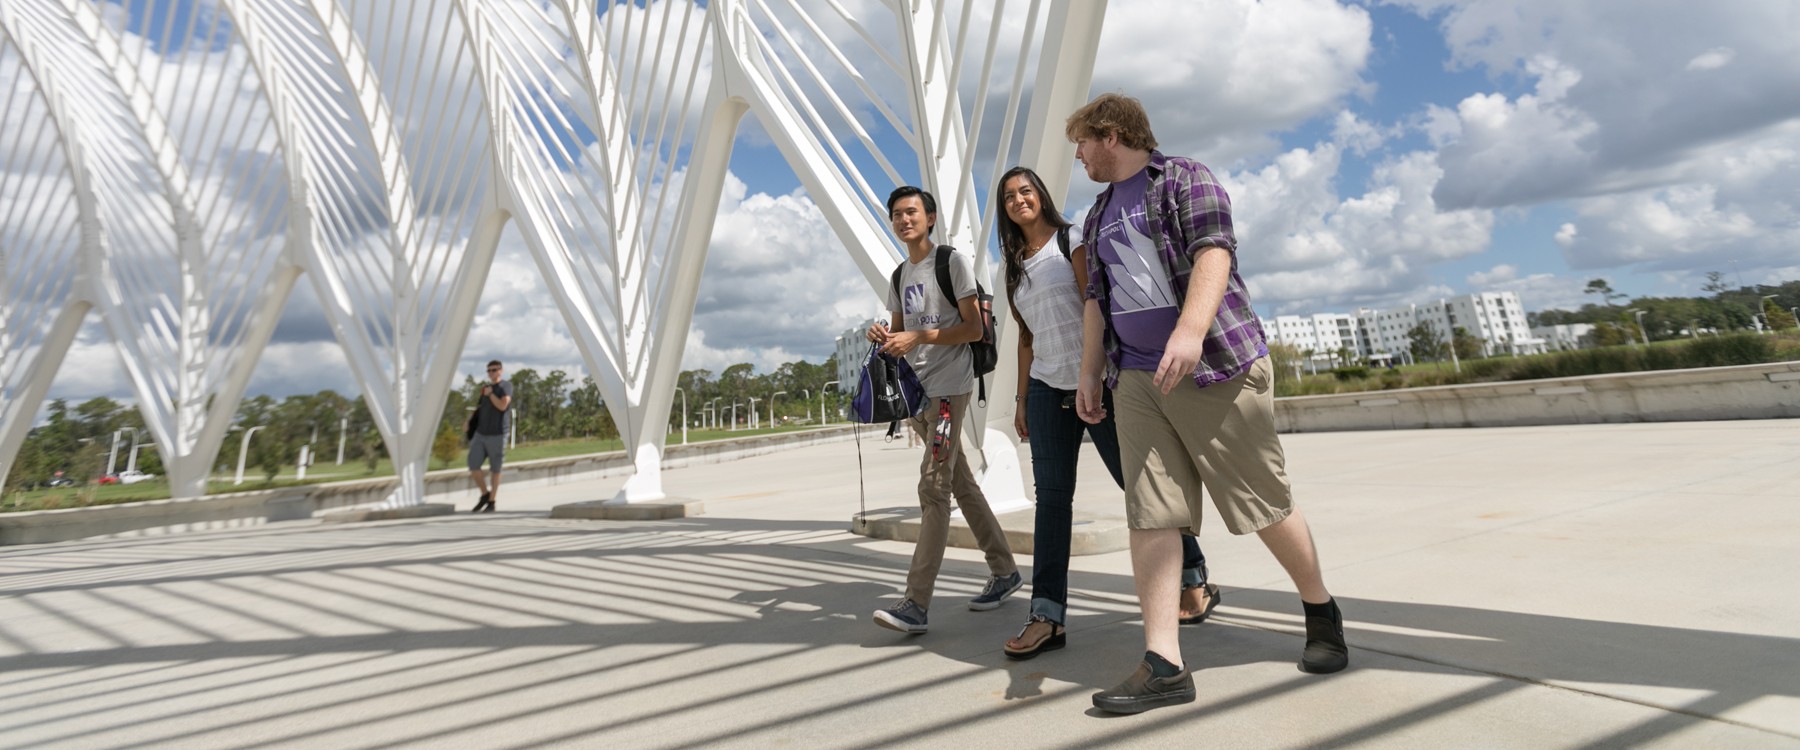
[1186, 210]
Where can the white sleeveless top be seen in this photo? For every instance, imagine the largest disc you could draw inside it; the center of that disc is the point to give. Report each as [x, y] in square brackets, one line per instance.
[1051, 307]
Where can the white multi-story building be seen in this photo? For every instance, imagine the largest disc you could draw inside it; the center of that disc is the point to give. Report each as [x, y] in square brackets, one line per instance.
[852, 346]
[1322, 334]
[1497, 318]
[1566, 337]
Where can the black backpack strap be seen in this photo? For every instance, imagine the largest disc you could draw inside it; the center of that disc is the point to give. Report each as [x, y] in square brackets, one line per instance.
[945, 285]
[895, 280]
[948, 287]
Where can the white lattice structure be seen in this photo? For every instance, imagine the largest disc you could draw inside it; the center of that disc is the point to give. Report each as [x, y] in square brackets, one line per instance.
[178, 166]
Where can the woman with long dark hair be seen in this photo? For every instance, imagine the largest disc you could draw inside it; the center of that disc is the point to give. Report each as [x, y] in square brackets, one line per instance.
[1046, 272]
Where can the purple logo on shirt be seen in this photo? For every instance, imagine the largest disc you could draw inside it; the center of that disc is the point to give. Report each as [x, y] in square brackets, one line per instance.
[913, 300]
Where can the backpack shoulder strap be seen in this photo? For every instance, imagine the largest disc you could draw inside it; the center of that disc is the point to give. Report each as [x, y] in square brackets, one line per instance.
[895, 280]
[1062, 242]
[945, 285]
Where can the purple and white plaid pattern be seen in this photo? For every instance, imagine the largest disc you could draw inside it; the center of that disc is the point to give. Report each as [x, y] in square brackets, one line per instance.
[1187, 209]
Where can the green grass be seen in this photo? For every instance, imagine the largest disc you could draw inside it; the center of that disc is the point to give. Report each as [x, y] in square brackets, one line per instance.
[319, 473]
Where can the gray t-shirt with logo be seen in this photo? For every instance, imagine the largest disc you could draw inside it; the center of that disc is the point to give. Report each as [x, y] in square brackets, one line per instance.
[946, 370]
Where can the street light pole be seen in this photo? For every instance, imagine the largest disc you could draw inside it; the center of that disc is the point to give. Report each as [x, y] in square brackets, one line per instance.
[1454, 362]
[343, 430]
[772, 396]
[131, 463]
[752, 411]
[734, 406]
[112, 456]
[1639, 314]
[684, 417]
[828, 384]
[244, 447]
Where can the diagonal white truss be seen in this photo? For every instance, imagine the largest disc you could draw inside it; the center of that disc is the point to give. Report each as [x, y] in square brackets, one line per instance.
[187, 294]
[593, 111]
[399, 233]
[847, 104]
[405, 133]
[41, 220]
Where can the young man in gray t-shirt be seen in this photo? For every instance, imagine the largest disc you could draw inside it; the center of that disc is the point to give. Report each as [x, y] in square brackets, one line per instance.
[933, 334]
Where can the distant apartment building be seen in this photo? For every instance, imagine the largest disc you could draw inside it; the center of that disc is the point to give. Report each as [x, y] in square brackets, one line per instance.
[1497, 318]
[1566, 337]
[852, 346]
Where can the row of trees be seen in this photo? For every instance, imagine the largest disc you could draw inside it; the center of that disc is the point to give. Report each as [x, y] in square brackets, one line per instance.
[800, 383]
[1723, 308]
[74, 441]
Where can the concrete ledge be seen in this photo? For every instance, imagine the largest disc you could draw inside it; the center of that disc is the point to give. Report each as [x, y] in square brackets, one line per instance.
[1093, 533]
[389, 514]
[605, 510]
[234, 510]
[1766, 391]
[254, 508]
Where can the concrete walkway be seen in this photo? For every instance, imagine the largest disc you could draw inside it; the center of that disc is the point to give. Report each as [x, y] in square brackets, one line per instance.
[1596, 586]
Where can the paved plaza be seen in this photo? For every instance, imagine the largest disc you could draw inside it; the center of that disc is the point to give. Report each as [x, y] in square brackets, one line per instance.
[1592, 586]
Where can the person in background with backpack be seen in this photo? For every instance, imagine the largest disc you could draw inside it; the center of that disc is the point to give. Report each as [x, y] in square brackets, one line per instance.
[1045, 273]
[932, 327]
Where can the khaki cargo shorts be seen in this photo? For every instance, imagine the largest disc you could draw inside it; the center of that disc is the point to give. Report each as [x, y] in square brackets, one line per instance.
[1221, 437]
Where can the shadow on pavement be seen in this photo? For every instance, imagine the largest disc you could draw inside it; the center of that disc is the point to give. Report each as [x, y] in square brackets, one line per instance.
[267, 630]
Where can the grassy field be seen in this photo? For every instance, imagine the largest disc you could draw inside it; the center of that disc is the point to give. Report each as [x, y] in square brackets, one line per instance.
[319, 473]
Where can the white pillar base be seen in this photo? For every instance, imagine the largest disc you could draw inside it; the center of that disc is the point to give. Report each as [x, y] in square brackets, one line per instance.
[645, 483]
[1002, 482]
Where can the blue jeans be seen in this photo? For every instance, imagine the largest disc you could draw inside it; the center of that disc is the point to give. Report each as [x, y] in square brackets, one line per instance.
[1056, 432]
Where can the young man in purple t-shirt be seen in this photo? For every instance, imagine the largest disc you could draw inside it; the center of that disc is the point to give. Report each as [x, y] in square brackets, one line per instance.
[1169, 327]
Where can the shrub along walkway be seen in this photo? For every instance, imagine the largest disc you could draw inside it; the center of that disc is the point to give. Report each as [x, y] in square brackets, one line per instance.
[1679, 354]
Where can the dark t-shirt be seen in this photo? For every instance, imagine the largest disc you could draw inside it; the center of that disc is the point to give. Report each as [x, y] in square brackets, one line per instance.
[489, 420]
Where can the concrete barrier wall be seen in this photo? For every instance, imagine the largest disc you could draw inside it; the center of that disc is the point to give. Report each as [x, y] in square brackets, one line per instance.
[1747, 392]
[243, 509]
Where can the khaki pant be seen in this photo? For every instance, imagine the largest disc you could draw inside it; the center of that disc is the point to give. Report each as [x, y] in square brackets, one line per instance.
[1221, 436]
[938, 481]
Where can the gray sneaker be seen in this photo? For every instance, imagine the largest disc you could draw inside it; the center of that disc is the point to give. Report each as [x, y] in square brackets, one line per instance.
[996, 591]
[904, 616]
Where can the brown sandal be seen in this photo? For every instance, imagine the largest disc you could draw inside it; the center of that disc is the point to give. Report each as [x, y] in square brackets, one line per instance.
[1213, 596]
[1057, 639]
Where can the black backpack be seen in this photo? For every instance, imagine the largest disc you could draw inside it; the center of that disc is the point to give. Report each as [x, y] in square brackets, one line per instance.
[984, 352]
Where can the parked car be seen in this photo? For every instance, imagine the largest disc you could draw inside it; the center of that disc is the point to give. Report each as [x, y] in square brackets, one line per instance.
[107, 479]
[59, 482]
[133, 477]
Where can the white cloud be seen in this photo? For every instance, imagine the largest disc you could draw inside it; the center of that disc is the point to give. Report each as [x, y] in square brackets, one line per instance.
[1544, 291]
[1498, 274]
[1221, 95]
[1626, 97]
[1712, 59]
[1305, 248]
[1356, 135]
[1566, 235]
